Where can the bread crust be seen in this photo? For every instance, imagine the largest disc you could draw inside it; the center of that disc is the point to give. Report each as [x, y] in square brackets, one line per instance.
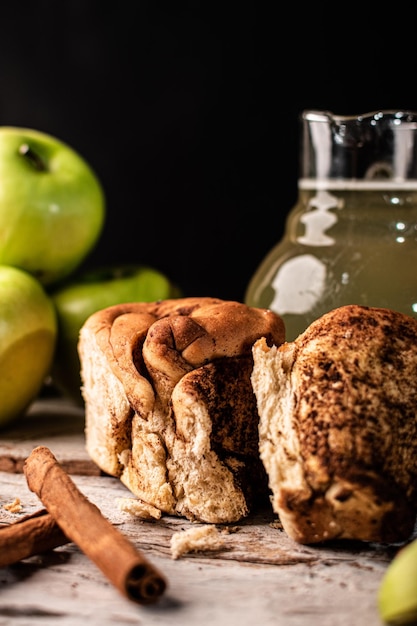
[169, 403]
[338, 426]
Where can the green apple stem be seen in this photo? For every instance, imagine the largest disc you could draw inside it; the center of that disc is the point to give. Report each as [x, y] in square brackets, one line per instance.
[33, 158]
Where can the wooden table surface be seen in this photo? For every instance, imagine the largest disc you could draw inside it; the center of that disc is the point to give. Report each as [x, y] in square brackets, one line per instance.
[260, 577]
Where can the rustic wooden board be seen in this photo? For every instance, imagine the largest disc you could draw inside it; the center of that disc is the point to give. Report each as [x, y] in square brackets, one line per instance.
[259, 576]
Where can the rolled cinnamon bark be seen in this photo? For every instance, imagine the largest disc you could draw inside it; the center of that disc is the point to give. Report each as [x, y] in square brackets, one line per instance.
[83, 523]
[30, 535]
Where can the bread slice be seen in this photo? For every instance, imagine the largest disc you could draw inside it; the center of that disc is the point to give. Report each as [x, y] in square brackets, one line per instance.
[338, 426]
[169, 403]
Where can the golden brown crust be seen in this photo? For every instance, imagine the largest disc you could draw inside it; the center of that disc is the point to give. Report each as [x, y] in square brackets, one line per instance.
[169, 403]
[345, 395]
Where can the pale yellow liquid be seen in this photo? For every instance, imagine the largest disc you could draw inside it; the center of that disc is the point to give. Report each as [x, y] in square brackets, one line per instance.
[361, 250]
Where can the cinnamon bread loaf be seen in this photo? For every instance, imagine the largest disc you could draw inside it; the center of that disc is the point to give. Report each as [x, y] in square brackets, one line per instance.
[169, 403]
[338, 426]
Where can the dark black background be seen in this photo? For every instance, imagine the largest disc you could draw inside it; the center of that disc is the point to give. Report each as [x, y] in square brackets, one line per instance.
[188, 112]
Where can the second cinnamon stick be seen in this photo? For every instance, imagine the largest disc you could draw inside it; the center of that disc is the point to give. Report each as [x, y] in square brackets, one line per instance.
[31, 535]
[83, 523]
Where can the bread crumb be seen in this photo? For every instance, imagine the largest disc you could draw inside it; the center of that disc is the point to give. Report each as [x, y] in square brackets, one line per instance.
[14, 507]
[277, 524]
[137, 507]
[201, 538]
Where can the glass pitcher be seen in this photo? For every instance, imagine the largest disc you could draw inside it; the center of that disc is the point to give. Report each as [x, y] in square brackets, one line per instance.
[351, 238]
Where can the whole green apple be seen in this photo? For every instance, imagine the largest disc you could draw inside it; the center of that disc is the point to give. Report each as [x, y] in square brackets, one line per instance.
[397, 595]
[28, 328]
[52, 205]
[91, 291]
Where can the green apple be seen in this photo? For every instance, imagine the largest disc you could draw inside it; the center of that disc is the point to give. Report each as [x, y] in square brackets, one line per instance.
[52, 205]
[91, 291]
[28, 329]
[397, 596]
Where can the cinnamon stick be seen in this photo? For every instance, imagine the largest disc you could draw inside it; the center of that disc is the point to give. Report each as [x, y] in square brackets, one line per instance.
[30, 535]
[82, 522]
